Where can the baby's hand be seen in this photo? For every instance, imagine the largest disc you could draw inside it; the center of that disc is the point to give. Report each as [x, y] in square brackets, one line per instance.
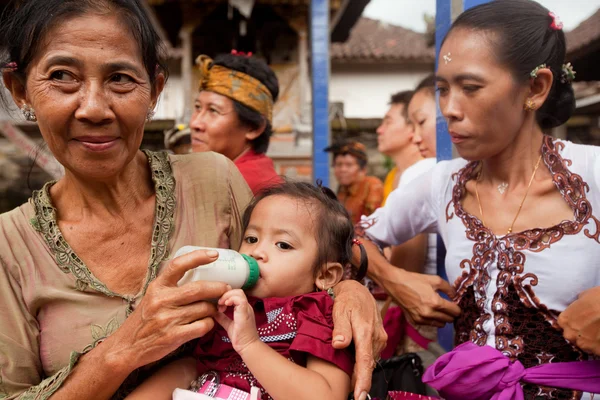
[242, 329]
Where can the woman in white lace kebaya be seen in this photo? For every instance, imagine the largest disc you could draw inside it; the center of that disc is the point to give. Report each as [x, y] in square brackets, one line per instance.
[519, 212]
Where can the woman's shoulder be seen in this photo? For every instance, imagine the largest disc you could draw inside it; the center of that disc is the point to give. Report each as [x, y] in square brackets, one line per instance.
[204, 163]
[580, 159]
[575, 152]
[211, 170]
[17, 231]
[17, 219]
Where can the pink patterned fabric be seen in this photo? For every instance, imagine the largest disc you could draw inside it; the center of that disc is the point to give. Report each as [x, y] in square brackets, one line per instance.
[409, 396]
[483, 373]
[224, 392]
[396, 326]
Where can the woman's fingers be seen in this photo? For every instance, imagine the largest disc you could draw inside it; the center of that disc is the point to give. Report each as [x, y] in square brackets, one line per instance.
[195, 329]
[441, 285]
[198, 291]
[175, 270]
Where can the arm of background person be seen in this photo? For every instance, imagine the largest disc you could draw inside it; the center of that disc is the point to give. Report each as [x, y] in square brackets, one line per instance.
[407, 213]
[580, 321]
[411, 255]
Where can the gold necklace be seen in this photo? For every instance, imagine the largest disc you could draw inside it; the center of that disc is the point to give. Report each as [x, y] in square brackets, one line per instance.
[522, 201]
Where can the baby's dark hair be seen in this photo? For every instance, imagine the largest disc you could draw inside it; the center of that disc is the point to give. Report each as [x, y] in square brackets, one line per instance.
[334, 230]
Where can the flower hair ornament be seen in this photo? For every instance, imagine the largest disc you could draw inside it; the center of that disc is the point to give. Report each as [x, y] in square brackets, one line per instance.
[567, 74]
[241, 53]
[556, 24]
[534, 72]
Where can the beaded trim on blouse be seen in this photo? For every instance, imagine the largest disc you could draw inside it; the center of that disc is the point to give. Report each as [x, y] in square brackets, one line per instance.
[68, 261]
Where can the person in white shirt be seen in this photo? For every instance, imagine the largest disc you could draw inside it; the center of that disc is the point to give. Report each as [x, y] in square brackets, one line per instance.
[518, 212]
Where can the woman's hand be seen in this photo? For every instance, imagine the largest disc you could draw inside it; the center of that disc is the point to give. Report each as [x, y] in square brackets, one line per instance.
[168, 316]
[355, 317]
[581, 321]
[242, 329]
[416, 293]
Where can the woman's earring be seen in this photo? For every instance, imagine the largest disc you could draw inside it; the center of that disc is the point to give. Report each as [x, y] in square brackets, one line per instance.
[529, 105]
[28, 113]
[150, 114]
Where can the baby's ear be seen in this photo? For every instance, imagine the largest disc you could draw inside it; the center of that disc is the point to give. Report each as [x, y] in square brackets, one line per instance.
[329, 275]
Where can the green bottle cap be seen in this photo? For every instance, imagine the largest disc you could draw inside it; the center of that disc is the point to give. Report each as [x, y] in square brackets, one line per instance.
[253, 274]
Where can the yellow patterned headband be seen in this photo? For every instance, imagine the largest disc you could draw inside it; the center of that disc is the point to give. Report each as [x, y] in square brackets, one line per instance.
[236, 85]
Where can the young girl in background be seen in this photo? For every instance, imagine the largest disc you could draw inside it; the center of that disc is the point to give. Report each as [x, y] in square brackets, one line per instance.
[278, 338]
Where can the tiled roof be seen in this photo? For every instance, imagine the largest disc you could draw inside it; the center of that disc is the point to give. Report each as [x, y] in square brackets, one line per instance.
[584, 34]
[376, 41]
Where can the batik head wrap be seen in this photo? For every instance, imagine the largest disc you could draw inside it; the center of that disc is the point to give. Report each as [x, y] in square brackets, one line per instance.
[236, 85]
[353, 148]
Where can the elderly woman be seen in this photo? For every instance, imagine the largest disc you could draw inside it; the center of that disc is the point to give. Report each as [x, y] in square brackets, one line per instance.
[90, 302]
[518, 214]
[233, 114]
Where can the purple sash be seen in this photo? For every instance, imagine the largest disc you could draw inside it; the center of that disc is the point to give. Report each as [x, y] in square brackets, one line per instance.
[482, 373]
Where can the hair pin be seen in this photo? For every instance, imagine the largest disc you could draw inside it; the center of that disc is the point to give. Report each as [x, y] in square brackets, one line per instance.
[556, 24]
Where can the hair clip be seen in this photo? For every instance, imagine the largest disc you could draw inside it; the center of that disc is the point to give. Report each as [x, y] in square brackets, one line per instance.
[534, 73]
[556, 24]
[10, 67]
[567, 74]
[241, 53]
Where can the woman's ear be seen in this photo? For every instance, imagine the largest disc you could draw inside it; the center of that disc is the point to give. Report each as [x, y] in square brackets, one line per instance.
[252, 133]
[540, 87]
[16, 88]
[329, 275]
[159, 85]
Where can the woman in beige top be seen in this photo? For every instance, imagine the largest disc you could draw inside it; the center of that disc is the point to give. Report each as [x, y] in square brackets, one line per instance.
[90, 304]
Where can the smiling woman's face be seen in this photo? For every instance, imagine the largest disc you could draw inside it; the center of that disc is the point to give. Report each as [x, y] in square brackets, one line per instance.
[91, 94]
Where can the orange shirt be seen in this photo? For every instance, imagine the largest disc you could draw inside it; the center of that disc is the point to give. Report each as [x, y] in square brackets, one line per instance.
[361, 198]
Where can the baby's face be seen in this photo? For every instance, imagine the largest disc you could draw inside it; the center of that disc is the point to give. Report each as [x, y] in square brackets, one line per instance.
[281, 237]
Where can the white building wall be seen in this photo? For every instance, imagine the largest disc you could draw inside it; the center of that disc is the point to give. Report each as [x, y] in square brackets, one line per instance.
[365, 90]
[171, 102]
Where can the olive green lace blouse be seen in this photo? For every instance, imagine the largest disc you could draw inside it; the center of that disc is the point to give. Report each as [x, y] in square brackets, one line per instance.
[53, 309]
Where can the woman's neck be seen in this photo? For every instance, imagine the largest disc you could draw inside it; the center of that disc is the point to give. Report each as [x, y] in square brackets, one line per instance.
[244, 151]
[514, 166]
[78, 198]
[405, 158]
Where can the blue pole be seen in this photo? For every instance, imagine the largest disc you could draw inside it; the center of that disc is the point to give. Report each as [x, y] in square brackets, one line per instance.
[319, 44]
[443, 21]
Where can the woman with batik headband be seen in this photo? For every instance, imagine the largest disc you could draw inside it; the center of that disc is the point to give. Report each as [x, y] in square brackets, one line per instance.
[518, 214]
[233, 114]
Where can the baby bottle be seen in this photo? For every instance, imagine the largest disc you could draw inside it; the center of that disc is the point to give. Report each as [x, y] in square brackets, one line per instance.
[238, 270]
